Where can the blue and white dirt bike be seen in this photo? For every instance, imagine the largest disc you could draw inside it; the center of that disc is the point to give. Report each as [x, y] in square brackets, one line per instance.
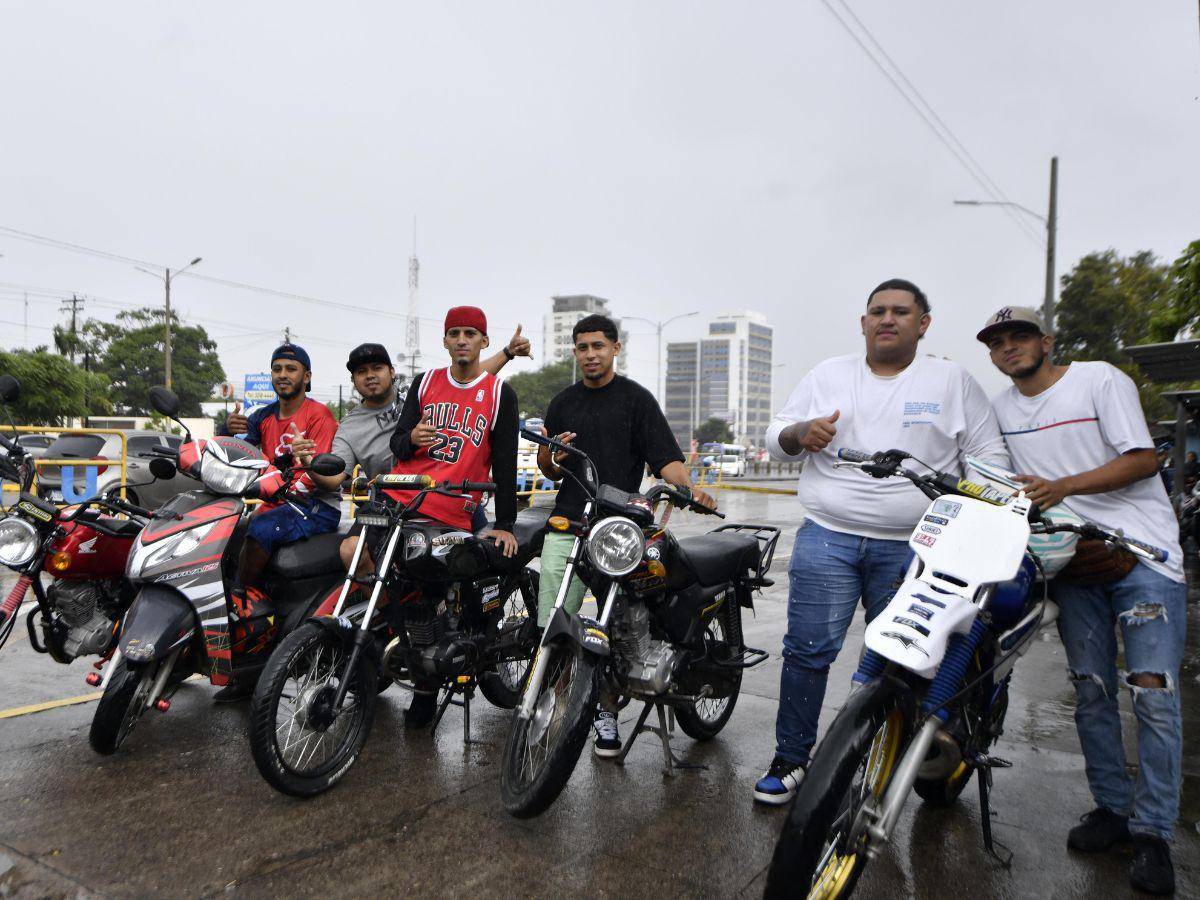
[931, 690]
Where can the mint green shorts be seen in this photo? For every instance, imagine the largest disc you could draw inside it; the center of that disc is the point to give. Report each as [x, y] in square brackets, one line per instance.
[556, 548]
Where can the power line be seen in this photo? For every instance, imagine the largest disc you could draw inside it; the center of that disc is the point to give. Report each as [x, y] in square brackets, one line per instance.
[948, 140]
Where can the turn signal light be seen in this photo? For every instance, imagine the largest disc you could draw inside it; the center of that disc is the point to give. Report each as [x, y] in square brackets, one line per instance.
[559, 523]
[656, 568]
[60, 561]
[162, 705]
[93, 679]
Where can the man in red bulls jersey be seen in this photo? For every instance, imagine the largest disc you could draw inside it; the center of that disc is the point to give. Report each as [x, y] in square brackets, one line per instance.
[458, 423]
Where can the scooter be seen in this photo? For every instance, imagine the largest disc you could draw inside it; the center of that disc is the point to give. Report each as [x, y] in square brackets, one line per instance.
[183, 620]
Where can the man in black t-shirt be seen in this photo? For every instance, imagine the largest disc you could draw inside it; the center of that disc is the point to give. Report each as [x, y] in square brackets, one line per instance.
[619, 424]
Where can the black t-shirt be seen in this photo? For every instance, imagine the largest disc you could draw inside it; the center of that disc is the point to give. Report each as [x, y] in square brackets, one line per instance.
[620, 426]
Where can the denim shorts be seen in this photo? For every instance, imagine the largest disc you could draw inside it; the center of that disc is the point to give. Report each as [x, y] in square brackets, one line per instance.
[279, 525]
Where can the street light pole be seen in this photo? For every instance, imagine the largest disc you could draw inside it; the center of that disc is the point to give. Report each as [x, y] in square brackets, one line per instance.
[658, 328]
[167, 276]
[1051, 223]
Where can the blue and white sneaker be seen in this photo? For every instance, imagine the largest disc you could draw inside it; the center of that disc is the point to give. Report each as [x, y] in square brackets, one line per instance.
[608, 739]
[779, 783]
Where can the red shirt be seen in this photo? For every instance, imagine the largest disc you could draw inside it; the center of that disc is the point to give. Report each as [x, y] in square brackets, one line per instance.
[464, 415]
[314, 421]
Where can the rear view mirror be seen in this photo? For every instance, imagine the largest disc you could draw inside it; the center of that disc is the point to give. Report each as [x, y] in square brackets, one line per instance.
[10, 388]
[164, 402]
[162, 468]
[327, 464]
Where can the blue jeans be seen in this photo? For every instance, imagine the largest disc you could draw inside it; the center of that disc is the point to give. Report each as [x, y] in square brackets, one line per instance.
[1151, 612]
[829, 572]
[279, 525]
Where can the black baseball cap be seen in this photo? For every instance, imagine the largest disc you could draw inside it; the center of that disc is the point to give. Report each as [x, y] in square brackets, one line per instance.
[367, 353]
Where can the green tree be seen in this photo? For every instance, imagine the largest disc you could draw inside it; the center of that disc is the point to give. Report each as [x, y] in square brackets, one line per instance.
[536, 389]
[53, 389]
[713, 430]
[131, 360]
[1181, 310]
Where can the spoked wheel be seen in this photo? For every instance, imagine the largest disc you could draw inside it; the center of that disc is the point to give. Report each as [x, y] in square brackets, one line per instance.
[121, 706]
[703, 720]
[542, 750]
[300, 746]
[821, 851]
[503, 686]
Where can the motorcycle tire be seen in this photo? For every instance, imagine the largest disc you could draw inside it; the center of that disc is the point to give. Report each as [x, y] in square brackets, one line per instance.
[121, 706]
[306, 664]
[858, 756]
[704, 719]
[503, 689]
[530, 780]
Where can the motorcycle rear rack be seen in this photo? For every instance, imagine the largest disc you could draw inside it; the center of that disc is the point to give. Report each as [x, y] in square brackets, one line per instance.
[767, 537]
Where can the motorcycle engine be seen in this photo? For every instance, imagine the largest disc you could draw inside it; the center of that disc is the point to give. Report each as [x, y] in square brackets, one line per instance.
[81, 608]
[437, 646]
[650, 663]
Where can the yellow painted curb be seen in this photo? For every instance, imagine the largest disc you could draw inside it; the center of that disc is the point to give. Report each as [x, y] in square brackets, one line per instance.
[787, 492]
[48, 705]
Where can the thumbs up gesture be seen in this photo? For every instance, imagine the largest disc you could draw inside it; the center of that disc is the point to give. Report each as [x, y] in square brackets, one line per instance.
[820, 432]
[424, 433]
[519, 345]
[302, 448]
[237, 423]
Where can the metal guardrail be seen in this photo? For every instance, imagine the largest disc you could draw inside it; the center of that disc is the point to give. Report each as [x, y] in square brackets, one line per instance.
[76, 461]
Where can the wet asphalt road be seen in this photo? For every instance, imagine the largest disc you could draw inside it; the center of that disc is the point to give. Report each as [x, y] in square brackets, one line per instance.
[181, 811]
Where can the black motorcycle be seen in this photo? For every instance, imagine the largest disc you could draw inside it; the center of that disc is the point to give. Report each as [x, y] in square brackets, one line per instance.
[669, 633]
[446, 614]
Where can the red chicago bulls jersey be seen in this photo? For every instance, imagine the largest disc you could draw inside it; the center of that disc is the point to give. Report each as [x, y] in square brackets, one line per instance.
[464, 415]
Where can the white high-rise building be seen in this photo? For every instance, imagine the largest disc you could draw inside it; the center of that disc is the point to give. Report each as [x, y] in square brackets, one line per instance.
[565, 311]
[726, 375]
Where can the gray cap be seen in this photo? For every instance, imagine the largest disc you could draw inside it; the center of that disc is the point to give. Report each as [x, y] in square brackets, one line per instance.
[1010, 316]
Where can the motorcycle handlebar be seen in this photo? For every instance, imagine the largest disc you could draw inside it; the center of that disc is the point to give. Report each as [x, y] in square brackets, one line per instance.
[465, 487]
[546, 441]
[1088, 530]
[853, 455]
[682, 498]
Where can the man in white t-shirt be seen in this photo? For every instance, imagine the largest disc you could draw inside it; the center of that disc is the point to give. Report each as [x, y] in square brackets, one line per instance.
[1079, 435]
[853, 542]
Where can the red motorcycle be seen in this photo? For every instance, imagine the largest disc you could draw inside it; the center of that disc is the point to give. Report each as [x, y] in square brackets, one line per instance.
[184, 620]
[83, 548]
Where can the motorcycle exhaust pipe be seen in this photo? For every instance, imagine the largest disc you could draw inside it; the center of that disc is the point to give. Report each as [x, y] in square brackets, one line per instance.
[943, 759]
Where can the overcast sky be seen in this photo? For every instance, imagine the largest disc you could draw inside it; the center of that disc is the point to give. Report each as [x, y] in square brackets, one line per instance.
[670, 156]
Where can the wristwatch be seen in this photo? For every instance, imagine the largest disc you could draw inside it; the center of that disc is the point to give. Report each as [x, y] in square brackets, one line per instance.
[511, 356]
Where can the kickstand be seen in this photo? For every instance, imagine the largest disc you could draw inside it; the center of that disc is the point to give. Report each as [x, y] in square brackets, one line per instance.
[984, 777]
[467, 689]
[670, 760]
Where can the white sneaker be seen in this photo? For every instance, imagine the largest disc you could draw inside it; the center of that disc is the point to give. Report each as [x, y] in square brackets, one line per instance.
[608, 740]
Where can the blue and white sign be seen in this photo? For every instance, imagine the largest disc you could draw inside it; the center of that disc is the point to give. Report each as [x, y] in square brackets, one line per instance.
[258, 392]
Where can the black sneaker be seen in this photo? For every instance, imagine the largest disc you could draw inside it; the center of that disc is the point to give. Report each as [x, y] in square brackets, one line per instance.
[1151, 870]
[608, 740]
[779, 783]
[1101, 829]
[234, 692]
[421, 711]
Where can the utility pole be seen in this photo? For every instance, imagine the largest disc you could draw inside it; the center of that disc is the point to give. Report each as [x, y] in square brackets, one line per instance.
[72, 306]
[1051, 234]
[287, 334]
[341, 404]
[166, 277]
[26, 343]
[658, 329]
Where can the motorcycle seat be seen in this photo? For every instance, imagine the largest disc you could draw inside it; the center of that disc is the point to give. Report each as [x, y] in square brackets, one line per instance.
[529, 528]
[317, 555]
[718, 557]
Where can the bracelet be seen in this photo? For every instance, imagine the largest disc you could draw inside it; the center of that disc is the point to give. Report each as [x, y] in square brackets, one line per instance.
[511, 356]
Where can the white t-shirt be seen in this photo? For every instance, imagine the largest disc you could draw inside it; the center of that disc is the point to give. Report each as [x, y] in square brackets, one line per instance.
[1088, 418]
[933, 409]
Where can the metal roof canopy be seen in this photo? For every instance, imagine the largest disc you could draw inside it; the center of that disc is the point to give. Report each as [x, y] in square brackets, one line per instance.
[1189, 399]
[1168, 363]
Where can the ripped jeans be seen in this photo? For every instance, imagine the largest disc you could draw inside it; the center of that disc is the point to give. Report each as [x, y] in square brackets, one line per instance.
[1151, 611]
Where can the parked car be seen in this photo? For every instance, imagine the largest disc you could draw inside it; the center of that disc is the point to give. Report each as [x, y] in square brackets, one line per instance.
[35, 445]
[77, 445]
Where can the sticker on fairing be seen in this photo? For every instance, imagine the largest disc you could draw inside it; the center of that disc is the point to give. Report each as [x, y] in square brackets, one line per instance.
[932, 529]
[915, 626]
[937, 520]
[947, 508]
[921, 611]
[925, 539]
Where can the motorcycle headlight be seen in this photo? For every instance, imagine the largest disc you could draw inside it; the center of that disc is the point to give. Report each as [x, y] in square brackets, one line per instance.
[221, 477]
[615, 546]
[18, 542]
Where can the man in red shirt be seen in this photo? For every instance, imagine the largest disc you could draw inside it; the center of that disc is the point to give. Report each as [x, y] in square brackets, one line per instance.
[458, 424]
[294, 426]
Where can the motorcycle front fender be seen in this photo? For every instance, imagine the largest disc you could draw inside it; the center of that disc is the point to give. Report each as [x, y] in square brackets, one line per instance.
[583, 631]
[158, 622]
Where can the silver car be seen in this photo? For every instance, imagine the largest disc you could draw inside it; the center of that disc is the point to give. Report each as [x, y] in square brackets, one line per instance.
[144, 491]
